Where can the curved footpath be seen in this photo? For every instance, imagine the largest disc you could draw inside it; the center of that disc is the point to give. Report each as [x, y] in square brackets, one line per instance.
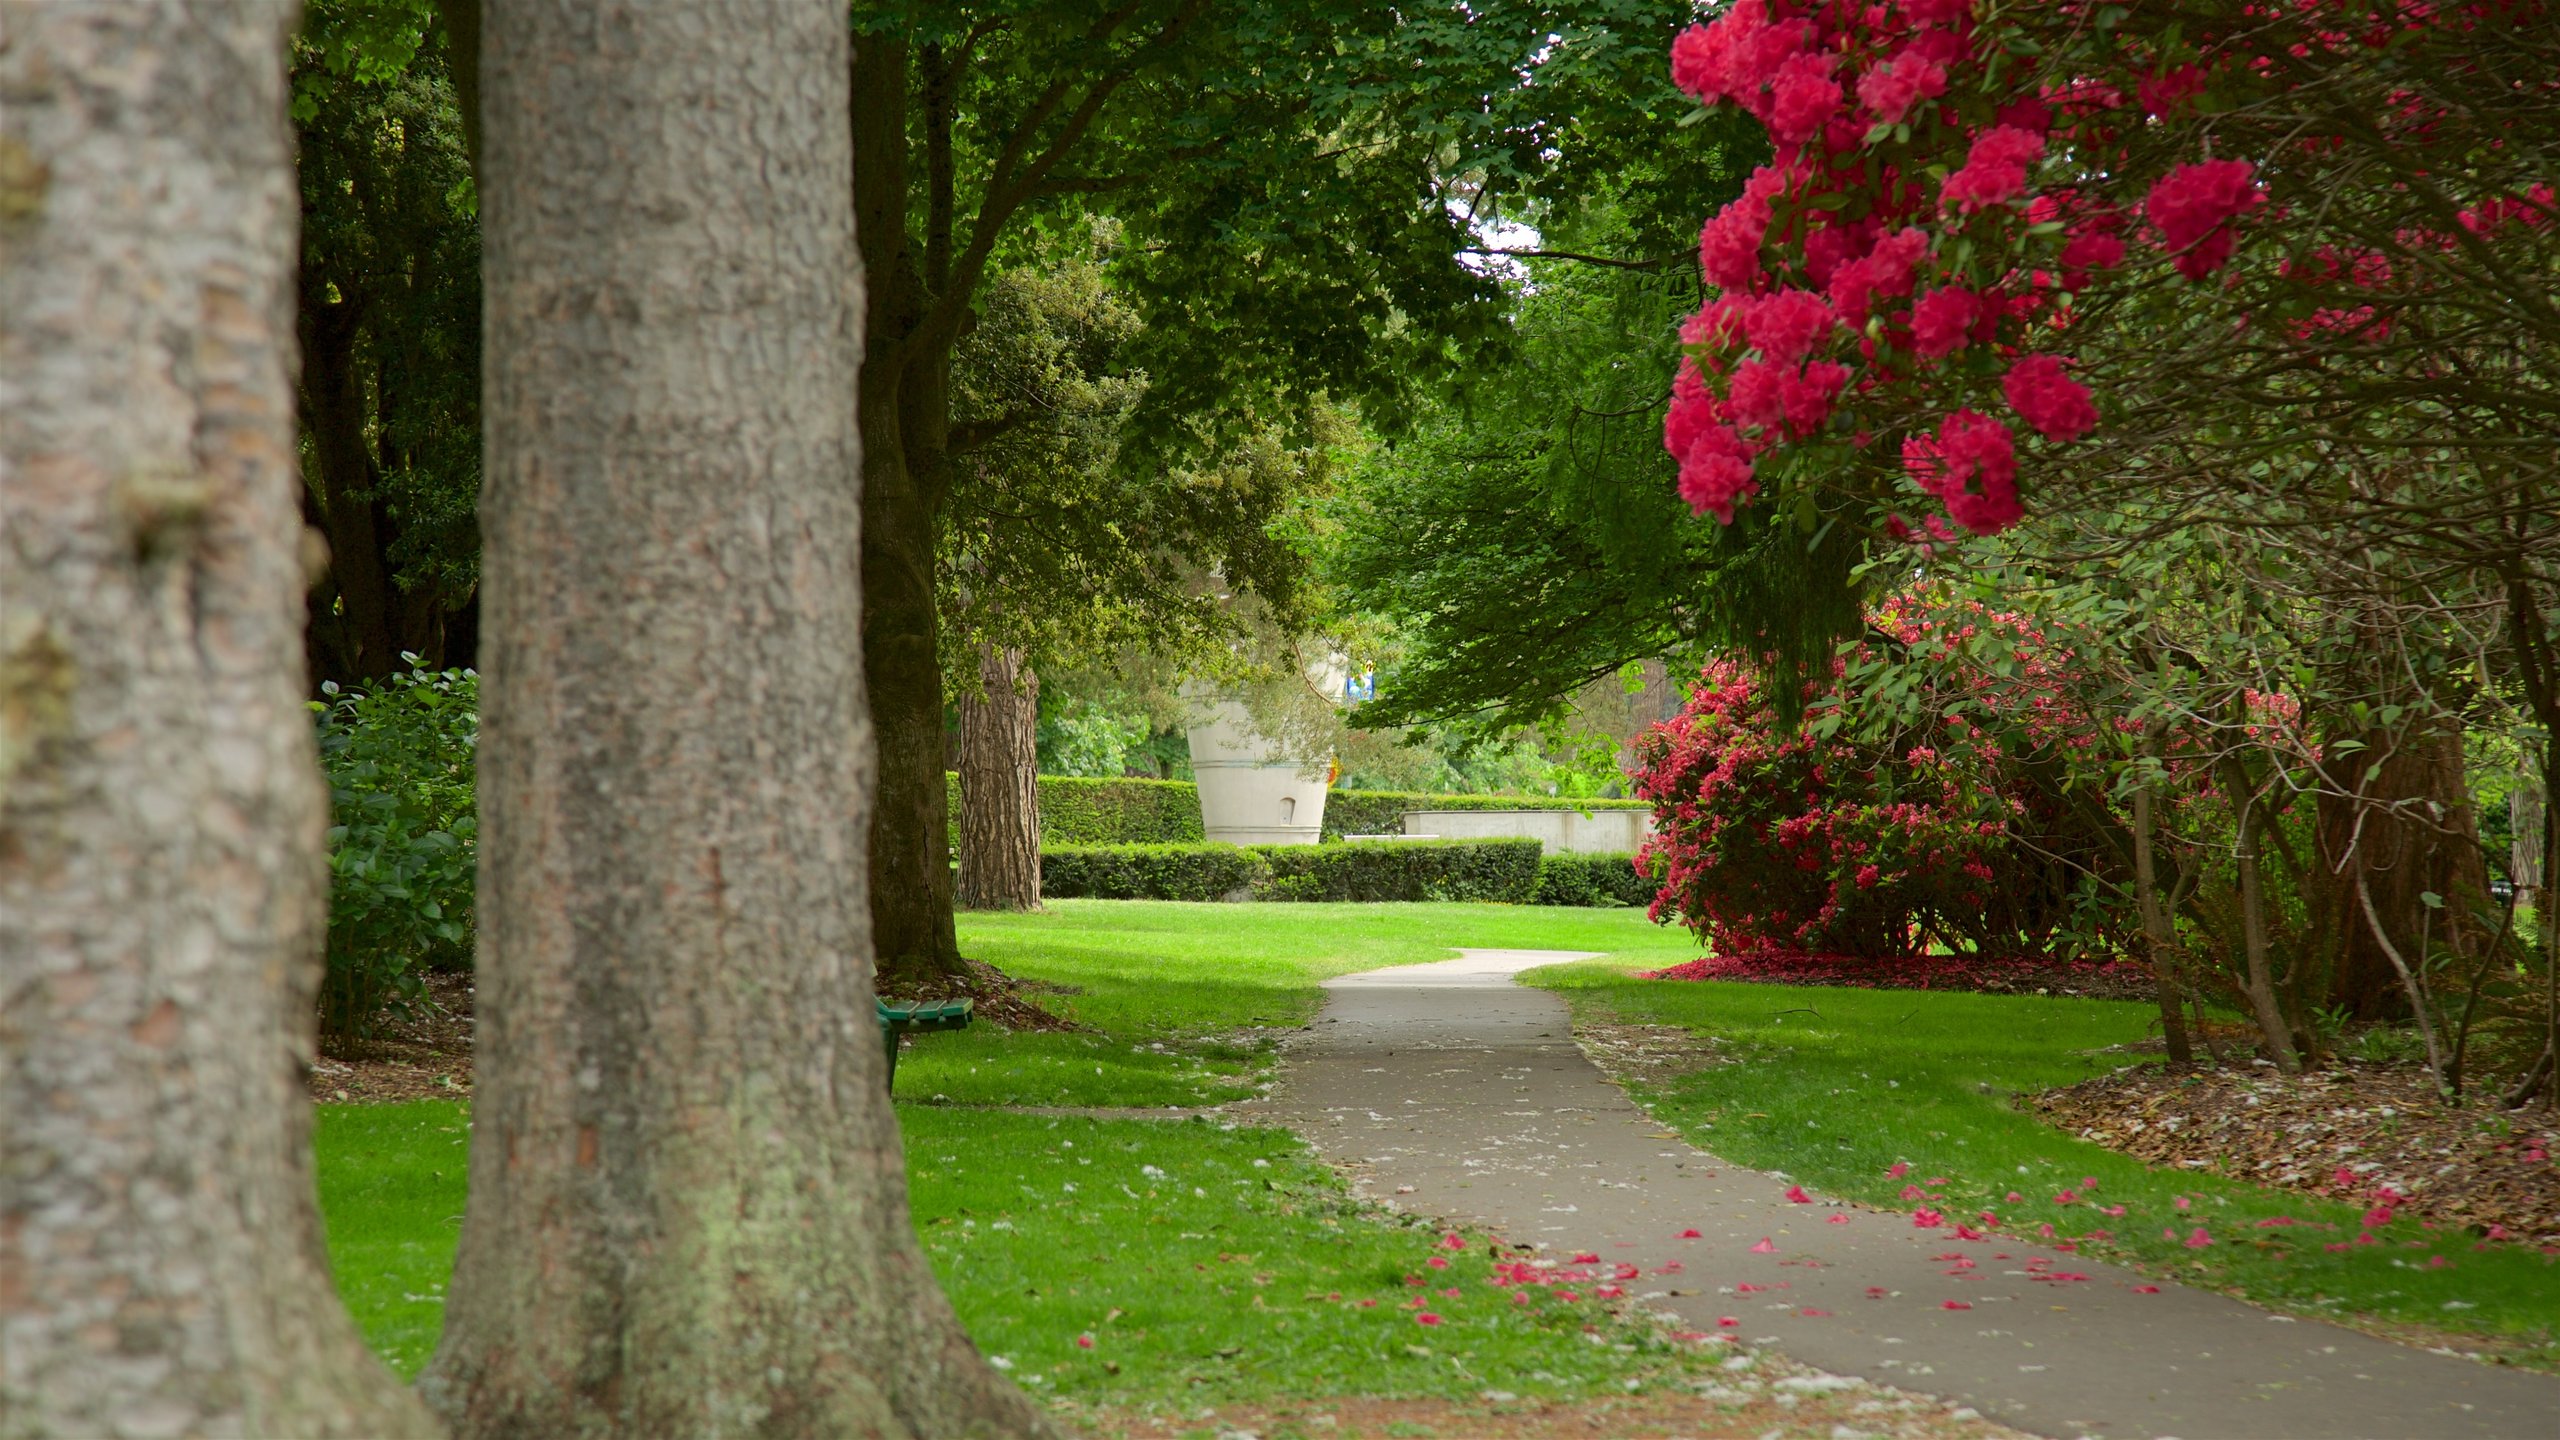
[1454, 1081]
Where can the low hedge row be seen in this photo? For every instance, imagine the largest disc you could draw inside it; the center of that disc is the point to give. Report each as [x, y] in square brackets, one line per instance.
[1602, 879]
[1075, 810]
[1505, 870]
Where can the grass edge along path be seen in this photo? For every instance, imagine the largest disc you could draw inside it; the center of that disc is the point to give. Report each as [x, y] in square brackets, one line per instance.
[1185, 1000]
[1124, 1264]
[1909, 1100]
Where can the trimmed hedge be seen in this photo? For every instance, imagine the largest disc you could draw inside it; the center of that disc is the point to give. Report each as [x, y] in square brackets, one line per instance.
[1076, 810]
[1593, 879]
[1381, 812]
[1504, 870]
[1150, 872]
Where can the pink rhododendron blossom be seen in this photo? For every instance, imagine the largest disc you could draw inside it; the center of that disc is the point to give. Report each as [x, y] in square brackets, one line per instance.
[1796, 1196]
[1890, 90]
[1426, 1318]
[2169, 91]
[2086, 253]
[1789, 324]
[1942, 321]
[1972, 467]
[1715, 474]
[2192, 207]
[1995, 170]
[1802, 98]
[2199, 1240]
[1885, 271]
[1765, 1247]
[2046, 397]
[1955, 1305]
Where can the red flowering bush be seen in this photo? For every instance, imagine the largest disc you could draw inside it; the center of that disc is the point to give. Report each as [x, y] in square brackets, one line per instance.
[1947, 179]
[1789, 838]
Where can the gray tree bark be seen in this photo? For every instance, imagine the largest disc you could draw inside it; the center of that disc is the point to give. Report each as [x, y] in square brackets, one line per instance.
[687, 1212]
[161, 811]
[1000, 785]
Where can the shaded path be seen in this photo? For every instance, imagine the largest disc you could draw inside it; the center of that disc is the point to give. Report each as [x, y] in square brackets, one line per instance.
[1453, 1081]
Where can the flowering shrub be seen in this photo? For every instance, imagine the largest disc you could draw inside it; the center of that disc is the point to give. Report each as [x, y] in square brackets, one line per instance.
[1947, 179]
[1939, 819]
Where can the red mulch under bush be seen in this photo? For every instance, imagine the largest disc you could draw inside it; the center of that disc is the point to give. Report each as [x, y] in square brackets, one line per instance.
[1921, 972]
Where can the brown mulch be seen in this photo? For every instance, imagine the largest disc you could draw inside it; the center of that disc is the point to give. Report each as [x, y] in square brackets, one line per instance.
[1003, 1000]
[425, 1056]
[2472, 1165]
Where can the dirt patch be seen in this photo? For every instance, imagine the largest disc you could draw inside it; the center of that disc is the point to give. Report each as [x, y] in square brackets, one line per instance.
[2343, 1132]
[1775, 1398]
[1648, 1055]
[424, 1055]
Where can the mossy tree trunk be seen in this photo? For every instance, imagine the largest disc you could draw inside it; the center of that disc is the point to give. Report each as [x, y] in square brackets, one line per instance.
[687, 1214]
[162, 889]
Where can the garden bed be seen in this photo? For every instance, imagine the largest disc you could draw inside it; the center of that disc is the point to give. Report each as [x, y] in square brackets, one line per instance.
[1921, 972]
[425, 1055]
[2343, 1132]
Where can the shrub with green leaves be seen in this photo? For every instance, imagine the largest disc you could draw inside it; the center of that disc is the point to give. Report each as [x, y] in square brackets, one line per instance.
[401, 840]
[1504, 870]
[1150, 872]
[1594, 879]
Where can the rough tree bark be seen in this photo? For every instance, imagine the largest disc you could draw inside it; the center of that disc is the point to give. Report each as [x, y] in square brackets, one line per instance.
[906, 421]
[687, 1212]
[1000, 785]
[161, 811]
[2371, 852]
[2157, 933]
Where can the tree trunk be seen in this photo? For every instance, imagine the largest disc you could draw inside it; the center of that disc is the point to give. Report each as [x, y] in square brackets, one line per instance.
[2395, 858]
[2156, 931]
[2257, 981]
[333, 407]
[161, 810]
[688, 1214]
[1000, 785]
[905, 420]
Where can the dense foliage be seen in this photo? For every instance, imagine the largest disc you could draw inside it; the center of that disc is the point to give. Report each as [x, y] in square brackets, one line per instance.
[1790, 832]
[1150, 872]
[1506, 871]
[402, 839]
[1593, 880]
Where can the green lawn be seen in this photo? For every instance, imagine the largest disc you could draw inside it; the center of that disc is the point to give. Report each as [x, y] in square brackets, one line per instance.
[1205, 1264]
[1175, 992]
[1836, 1086]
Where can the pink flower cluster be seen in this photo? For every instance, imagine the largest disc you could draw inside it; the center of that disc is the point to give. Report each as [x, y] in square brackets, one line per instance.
[2193, 206]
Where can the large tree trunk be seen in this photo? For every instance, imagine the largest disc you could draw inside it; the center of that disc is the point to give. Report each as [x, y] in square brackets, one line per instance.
[1000, 785]
[161, 811]
[688, 1214]
[2158, 936]
[2397, 857]
[333, 406]
[905, 421]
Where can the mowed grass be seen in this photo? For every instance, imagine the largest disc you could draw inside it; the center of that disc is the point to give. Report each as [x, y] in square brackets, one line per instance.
[1184, 999]
[391, 1191]
[1836, 1086]
[1203, 1263]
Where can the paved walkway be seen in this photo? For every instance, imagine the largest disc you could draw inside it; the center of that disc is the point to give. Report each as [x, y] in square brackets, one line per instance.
[1452, 1081]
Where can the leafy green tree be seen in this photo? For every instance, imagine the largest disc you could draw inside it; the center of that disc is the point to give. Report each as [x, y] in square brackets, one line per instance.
[1299, 186]
[389, 322]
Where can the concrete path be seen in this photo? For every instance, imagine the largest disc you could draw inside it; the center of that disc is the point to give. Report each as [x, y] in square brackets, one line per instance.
[1461, 1094]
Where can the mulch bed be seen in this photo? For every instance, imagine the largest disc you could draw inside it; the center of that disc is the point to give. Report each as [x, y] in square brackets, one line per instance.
[2343, 1132]
[426, 1055]
[1922, 972]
